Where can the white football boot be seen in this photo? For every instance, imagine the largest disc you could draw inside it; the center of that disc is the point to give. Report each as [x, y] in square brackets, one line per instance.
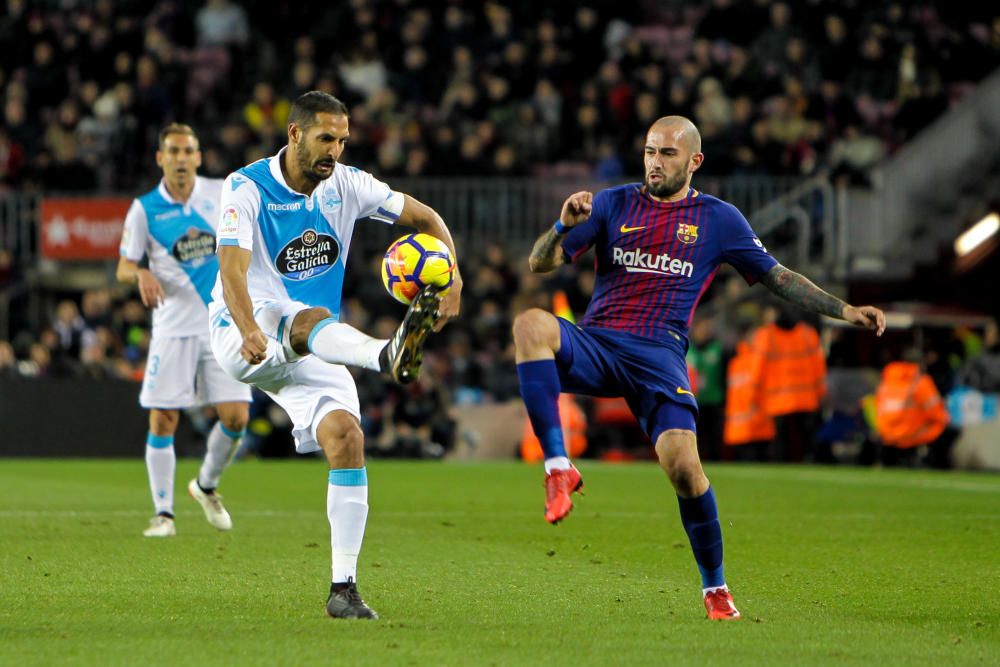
[160, 526]
[212, 504]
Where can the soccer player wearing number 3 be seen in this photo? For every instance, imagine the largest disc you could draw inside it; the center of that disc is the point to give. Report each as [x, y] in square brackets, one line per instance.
[285, 230]
[173, 226]
[658, 245]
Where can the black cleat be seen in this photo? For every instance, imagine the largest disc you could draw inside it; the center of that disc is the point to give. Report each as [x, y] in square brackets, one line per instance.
[402, 357]
[346, 602]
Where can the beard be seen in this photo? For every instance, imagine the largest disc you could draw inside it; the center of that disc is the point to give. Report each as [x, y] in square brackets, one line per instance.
[308, 166]
[667, 187]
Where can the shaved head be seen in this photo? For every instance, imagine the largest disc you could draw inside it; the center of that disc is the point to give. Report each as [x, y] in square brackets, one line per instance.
[690, 137]
[671, 155]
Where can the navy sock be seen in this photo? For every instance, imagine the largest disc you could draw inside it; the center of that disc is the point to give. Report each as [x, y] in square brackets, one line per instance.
[700, 517]
[540, 391]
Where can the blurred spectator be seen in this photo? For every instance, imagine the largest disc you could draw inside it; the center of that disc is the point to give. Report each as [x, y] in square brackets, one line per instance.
[982, 371]
[8, 361]
[705, 356]
[420, 421]
[69, 327]
[222, 23]
[12, 159]
[852, 155]
[266, 114]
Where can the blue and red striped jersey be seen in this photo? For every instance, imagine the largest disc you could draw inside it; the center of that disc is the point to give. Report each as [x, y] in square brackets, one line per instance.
[654, 260]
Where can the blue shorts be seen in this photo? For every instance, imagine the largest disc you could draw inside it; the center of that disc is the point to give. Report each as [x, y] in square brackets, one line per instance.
[651, 375]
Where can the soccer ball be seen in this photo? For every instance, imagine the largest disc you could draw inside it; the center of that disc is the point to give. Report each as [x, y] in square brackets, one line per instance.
[415, 261]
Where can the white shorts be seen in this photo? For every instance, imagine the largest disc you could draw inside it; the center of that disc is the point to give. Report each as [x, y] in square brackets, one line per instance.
[307, 388]
[183, 373]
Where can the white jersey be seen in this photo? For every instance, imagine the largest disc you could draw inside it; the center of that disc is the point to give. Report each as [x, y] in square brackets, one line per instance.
[179, 239]
[299, 242]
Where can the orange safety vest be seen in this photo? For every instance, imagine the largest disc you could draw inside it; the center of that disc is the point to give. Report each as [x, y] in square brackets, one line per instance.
[746, 419]
[574, 423]
[909, 411]
[794, 368]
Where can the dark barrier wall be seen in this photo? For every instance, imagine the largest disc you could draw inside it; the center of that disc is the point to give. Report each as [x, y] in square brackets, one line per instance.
[78, 417]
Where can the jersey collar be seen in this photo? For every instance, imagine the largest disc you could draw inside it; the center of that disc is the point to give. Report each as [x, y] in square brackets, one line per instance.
[691, 194]
[274, 164]
[165, 193]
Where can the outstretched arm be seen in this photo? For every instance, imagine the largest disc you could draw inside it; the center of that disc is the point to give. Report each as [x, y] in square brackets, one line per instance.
[797, 289]
[546, 254]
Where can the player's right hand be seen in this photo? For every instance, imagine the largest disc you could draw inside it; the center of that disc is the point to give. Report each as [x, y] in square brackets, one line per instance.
[868, 317]
[150, 290]
[254, 348]
[576, 208]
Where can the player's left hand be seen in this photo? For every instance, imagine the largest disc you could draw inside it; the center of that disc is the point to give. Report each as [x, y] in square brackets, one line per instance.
[868, 317]
[450, 304]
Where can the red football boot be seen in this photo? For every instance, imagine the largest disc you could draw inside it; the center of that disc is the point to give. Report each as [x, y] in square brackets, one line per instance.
[720, 607]
[559, 484]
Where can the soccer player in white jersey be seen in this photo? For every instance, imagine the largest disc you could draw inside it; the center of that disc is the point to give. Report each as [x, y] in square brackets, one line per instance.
[284, 235]
[173, 226]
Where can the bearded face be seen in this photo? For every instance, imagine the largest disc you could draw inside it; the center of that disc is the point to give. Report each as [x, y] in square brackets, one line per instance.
[319, 145]
[663, 185]
[316, 165]
[669, 159]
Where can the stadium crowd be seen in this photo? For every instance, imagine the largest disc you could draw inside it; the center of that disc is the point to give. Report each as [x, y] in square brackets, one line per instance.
[776, 87]
[493, 89]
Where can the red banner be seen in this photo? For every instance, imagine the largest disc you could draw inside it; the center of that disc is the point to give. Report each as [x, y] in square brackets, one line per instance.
[82, 228]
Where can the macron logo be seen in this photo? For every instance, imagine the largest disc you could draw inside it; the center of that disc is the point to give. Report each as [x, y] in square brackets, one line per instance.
[637, 261]
[292, 206]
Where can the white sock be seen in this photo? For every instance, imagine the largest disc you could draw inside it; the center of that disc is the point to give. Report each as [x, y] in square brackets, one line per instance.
[557, 463]
[712, 589]
[160, 464]
[347, 509]
[338, 343]
[222, 444]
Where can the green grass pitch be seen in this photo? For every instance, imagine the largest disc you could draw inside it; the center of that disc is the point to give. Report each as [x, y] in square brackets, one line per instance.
[829, 567]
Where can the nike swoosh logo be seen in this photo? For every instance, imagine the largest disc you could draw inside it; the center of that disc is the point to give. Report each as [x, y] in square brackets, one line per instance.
[626, 230]
[681, 390]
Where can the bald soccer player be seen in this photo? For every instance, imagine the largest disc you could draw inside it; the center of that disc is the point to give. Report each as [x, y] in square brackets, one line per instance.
[658, 244]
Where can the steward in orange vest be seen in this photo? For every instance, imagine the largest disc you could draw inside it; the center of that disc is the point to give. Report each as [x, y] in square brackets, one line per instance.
[794, 368]
[746, 419]
[909, 411]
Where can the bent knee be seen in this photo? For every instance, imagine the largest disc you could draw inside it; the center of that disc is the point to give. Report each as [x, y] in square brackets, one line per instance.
[677, 450]
[535, 326]
[303, 325]
[340, 432]
[235, 423]
[163, 422]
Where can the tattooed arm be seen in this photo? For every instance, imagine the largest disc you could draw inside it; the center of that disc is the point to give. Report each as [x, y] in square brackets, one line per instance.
[547, 253]
[797, 289]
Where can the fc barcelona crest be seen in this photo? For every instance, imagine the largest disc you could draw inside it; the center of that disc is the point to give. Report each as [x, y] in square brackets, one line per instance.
[687, 233]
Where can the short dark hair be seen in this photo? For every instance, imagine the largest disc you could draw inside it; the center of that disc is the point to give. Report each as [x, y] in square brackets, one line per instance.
[307, 105]
[176, 128]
